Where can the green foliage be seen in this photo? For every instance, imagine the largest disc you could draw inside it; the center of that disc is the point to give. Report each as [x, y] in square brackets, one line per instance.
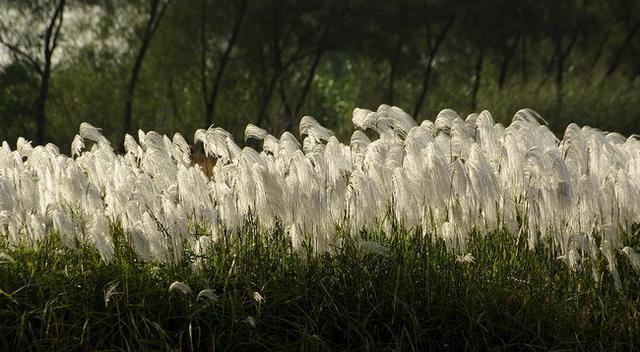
[570, 60]
[416, 297]
[18, 89]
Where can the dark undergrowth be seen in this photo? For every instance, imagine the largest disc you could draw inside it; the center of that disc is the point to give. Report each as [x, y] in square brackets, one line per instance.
[415, 297]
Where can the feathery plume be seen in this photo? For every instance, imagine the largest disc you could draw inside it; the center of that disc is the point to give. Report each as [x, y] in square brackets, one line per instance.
[180, 287]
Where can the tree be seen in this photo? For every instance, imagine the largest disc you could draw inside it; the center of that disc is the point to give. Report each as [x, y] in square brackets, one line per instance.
[210, 96]
[323, 24]
[565, 22]
[282, 39]
[435, 35]
[155, 12]
[34, 42]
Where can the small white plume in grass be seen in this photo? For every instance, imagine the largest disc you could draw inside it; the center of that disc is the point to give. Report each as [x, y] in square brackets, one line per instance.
[257, 297]
[6, 259]
[572, 258]
[251, 321]
[88, 131]
[181, 287]
[208, 294]
[371, 247]
[182, 151]
[447, 178]
[467, 258]
[254, 132]
[23, 147]
[109, 292]
[610, 255]
[77, 145]
[365, 119]
[634, 258]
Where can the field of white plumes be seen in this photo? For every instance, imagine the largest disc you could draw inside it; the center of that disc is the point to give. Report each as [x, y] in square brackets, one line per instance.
[448, 177]
[445, 234]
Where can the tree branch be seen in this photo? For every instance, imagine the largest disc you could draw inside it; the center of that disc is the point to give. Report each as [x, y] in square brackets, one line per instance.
[53, 29]
[17, 51]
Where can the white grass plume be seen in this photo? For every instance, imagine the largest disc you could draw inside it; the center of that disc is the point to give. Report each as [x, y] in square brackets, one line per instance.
[180, 287]
[447, 177]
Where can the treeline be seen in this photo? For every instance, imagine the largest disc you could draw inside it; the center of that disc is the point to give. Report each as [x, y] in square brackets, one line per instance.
[186, 64]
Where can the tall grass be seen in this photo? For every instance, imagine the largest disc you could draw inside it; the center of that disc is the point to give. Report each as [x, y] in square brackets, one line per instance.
[448, 234]
[415, 296]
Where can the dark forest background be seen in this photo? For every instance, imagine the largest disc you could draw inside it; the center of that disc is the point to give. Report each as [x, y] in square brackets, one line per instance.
[186, 64]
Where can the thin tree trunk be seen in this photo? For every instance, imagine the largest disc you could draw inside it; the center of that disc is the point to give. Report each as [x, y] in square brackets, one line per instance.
[432, 55]
[211, 101]
[425, 88]
[279, 68]
[508, 54]
[523, 63]
[319, 52]
[172, 98]
[599, 51]
[504, 66]
[476, 80]
[41, 100]
[554, 56]
[288, 111]
[559, 79]
[50, 44]
[392, 71]
[203, 56]
[559, 83]
[156, 12]
[266, 98]
[636, 71]
[307, 84]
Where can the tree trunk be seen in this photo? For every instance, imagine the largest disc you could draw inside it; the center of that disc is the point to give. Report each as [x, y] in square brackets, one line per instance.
[172, 99]
[203, 56]
[50, 44]
[476, 80]
[319, 52]
[288, 110]
[554, 57]
[307, 84]
[392, 71]
[40, 113]
[156, 11]
[598, 54]
[523, 63]
[504, 65]
[211, 101]
[279, 67]
[559, 81]
[424, 90]
[266, 98]
[130, 91]
[636, 71]
[508, 53]
[432, 55]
